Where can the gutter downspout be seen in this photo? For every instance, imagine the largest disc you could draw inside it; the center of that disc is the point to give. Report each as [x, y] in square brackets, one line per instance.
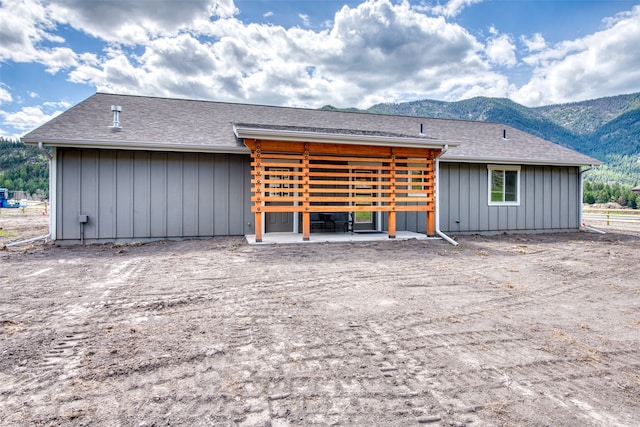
[438, 231]
[581, 195]
[44, 150]
[44, 237]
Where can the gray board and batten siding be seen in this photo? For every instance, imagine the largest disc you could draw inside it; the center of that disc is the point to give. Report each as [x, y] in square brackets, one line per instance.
[549, 200]
[142, 195]
[175, 168]
[146, 195]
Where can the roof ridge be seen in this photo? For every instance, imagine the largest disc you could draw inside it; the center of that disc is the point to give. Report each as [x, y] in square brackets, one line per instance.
[365, 113]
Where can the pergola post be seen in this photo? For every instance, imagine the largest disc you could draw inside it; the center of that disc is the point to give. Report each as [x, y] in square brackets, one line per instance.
[392, 224]
[258, 224]
[431, 223]
[306, 216]
[392, 204]
[258, 192]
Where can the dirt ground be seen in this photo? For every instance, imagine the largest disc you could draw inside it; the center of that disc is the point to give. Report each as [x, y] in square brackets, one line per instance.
[522, 330]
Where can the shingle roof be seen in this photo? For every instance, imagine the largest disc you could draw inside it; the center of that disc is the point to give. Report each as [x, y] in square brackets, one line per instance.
[178, 124]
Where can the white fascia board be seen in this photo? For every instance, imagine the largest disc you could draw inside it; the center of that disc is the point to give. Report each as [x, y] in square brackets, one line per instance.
[340, 138]
[146, 146]
[532, 162]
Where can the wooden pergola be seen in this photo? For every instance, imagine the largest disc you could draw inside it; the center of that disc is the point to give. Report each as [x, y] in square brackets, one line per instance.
[309, 177]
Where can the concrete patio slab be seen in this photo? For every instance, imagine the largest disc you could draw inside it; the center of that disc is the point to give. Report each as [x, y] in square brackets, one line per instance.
[287, 238]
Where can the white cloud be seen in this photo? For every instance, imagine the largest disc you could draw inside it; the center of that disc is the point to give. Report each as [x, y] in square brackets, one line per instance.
[56, 104]
[116, 74]
[451, 8]
[374, 52]
[535, 43]
[306, 21]
[501, 51]
[268, 15]
[23, 24]
[26, 118]
[5, 95]
[604, 63]
[135, 22]
[388, 47]
[57, 58]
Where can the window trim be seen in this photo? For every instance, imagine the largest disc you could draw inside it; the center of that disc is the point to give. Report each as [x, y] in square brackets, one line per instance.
[503, 168]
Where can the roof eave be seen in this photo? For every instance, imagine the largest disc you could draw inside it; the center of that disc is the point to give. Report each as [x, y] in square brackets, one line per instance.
[142, 146]
[511, 161]
[337, 138]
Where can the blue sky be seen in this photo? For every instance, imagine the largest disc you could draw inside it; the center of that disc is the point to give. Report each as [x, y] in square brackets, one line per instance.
[54, 54]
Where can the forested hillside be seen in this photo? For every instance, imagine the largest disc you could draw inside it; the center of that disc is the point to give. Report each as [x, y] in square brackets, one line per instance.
[23, 168]
[606, 128]
[586, 117]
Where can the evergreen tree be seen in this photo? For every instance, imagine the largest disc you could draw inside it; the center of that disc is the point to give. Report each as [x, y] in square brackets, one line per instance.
[23, 168]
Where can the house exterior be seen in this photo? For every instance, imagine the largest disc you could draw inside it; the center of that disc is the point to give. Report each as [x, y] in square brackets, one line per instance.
[132, 168]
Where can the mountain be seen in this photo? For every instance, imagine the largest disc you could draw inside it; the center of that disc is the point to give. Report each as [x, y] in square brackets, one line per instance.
[605, 128]
[587, 116]
[483, 109]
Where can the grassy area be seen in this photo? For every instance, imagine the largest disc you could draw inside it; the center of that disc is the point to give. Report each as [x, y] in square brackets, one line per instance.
[4, 233]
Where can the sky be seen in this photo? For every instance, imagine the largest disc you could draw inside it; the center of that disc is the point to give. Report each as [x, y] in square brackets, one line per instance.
[304, 53]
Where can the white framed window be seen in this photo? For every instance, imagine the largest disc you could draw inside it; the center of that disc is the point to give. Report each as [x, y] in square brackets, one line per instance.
[504, 185]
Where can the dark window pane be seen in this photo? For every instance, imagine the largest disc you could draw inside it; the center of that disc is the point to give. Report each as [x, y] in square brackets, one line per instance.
[511, 186]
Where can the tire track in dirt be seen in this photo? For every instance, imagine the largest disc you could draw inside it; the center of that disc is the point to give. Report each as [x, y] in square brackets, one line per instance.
[216, 332]
[510, 344]
[59, 363]
[464, 385]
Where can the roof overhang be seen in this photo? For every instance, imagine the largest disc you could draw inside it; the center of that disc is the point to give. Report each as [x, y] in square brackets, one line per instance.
[355, 138]
[144, 146]
[507, 161]
[298, 136]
